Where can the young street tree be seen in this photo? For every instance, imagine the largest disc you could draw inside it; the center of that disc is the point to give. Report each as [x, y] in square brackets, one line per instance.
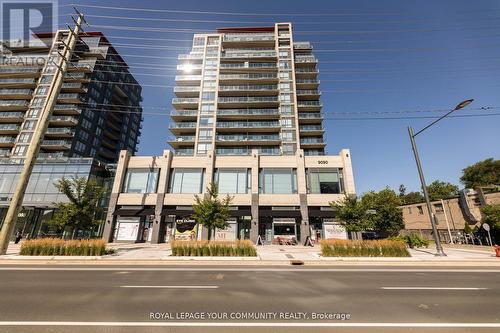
[387, 216]
[210, 211]
[80, 212]
[409, 198]
[483, 173]
[350, 213]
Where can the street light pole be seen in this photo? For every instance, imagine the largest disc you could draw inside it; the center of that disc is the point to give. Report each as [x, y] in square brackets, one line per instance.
[439, 247]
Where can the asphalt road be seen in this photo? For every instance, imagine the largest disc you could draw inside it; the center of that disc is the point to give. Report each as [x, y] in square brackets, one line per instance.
[262, 299]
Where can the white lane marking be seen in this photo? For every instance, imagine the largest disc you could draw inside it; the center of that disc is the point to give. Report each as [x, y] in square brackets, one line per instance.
[433, 288]
[245, 324]
[173, 287]
[248, 269]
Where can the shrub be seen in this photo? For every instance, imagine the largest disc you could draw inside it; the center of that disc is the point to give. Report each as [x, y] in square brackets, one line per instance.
[240, 248]
[60, 247]
[363, 248]
[412, 240]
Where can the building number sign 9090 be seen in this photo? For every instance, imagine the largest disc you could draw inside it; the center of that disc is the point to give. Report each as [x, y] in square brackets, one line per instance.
[322, 162]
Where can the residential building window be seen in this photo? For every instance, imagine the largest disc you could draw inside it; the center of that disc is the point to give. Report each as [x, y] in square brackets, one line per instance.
[205, 135]
[141, 181]
[420, 210]
[187, 180]
[278, 181]
[233, 180]
[20, 150]
[438, 208]
[325, 181]
[204, 148]
[206, 121]
[208, 96]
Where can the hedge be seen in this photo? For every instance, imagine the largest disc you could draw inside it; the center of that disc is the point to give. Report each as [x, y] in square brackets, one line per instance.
[363, 248]
[412, 240]
[240, 248]
[60, 247]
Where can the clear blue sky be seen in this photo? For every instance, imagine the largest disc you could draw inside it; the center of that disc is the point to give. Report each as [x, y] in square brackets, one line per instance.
[374, 56]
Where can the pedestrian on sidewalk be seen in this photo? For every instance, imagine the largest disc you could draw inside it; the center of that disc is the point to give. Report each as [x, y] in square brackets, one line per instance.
[19, 236]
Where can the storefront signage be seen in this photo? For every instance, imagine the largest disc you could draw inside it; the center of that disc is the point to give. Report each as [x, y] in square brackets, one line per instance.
[185, 230]
[334, 231]
[127, 229]
[228, 234]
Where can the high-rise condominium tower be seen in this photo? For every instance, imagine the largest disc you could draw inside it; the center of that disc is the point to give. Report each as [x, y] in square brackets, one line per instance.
[247, 88]
[97, 112]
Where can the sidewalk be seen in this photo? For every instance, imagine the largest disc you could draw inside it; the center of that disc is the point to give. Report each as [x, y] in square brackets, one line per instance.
[148, 254]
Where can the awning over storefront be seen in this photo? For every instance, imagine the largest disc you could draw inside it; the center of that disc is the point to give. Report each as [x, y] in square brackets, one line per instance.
[321, 213]
[279, 213]
[177, 212]
[240, 212]
[136, 211]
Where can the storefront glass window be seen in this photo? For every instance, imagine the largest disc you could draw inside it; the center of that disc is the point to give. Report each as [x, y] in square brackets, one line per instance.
[278, 181]
[233, 180]
[186, 181]
[141, 181]
[325, 181]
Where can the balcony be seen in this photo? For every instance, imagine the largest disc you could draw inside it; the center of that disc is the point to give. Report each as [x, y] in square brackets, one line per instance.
[73, 87]
[302, 46]
[187, 79]
[187, 91]
[307, 83]
[69, 98]
[63, 120]
[4, 152]
[16, 93]
[248, 113]
[19, 71]
[180, 103]
[9, 128]
[306, 72]
[311, 93]
[255, 126]
[257, 89]
[310, 118]
[309, 105]
[254, 139]
[7, 141]
[261, 78]
[76, 77]
[181, 140]
[312, 142]
[250, 55]
[184, 151]
[258, 66]
[260, 100]
[311, 130]
[189, 67]
[85, 67]
[190, 56]
[17, 82]
[13, 105]
[249, 39]
[11, 117]
[60, 132]
[56, 144]
[184, 115]
[299, 60]
[247, 151]
[67, 109]
[182, 127]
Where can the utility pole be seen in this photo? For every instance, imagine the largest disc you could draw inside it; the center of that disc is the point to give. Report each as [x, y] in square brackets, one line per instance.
[43, 123]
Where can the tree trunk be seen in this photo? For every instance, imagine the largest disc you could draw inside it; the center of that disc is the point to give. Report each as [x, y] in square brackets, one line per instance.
[209, 233]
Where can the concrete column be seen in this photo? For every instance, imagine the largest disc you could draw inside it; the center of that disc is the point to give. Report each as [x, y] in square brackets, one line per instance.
[164, 163]
[254, 224]
[348, 175]
[302, 191]
[109, 225]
